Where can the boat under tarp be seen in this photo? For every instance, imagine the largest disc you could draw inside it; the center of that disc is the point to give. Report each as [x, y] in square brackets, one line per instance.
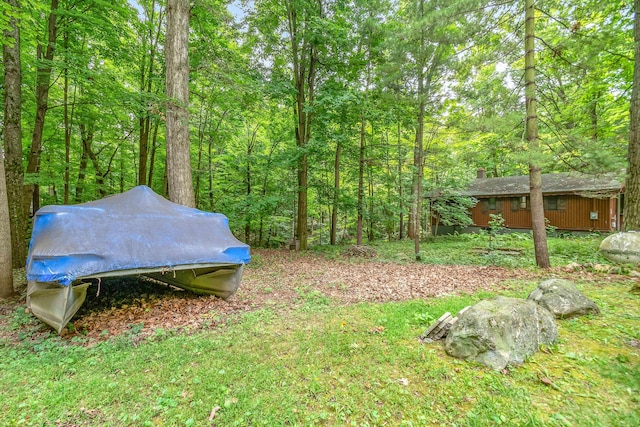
[136, 233]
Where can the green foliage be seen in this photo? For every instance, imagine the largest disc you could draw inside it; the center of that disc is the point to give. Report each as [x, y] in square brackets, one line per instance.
[20, 318]
[496, 225]
[7, 12]
[453, 210]
[513, 250]
[243, 149]
[312, 298]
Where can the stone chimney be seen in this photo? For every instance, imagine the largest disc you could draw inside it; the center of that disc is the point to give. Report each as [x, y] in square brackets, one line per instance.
[481, 173]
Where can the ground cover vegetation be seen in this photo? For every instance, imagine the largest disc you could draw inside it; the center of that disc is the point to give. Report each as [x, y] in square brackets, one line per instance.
[327, 338]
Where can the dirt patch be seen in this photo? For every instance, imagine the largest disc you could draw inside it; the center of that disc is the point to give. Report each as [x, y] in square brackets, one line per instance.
[279, 279]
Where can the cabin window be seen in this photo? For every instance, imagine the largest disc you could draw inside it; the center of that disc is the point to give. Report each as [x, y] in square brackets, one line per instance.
[551, 203]
[555, 203]
[492, 203]
[518, 203]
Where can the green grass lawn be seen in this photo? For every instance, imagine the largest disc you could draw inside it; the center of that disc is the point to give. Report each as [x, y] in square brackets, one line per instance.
[473, 249]
[329, 364]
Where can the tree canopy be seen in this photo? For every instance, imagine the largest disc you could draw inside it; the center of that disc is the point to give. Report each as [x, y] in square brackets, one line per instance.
[316, 121]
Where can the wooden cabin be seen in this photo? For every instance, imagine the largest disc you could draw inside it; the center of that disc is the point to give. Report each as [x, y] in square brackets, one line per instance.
[571, 202]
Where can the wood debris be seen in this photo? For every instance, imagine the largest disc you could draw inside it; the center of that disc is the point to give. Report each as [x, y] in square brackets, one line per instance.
[441, 327]
[360, 251]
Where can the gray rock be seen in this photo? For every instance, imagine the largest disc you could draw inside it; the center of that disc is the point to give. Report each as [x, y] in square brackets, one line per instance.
[563, 299]
[501, 331]
[622, 248]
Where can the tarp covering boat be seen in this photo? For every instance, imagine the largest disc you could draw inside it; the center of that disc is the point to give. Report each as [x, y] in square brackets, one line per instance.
[134, 233]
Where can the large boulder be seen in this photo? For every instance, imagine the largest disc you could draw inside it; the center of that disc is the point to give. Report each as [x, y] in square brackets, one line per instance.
[622, 248]
[501, 331]
[563, 299]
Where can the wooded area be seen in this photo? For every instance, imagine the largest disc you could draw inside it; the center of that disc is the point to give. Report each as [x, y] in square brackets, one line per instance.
[303, 115]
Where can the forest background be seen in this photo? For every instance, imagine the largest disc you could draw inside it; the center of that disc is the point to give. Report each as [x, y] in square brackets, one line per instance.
[347, 101]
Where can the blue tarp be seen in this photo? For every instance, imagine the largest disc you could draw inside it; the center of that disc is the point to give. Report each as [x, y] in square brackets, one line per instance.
[137, 229]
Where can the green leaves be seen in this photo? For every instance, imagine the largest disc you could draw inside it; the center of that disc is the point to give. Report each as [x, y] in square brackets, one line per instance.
[370, 55]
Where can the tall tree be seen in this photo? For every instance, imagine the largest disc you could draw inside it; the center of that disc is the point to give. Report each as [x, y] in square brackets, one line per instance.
[6, 272]
[531, 124]
[416, 203]
[177, 82]
[13, 135]
[43, 78]
[369, 33]
[632, 212]
[421, 51]
[304, 56]
[150, 31]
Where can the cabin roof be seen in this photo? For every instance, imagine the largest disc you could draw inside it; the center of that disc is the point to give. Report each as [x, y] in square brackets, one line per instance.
[552, 183]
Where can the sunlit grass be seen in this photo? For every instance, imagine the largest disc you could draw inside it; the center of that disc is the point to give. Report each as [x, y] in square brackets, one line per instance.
[323, 364]
[509, 250]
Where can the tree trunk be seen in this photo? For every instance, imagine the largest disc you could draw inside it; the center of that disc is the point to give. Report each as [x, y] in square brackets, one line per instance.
[360, 208]
[6, 271]
[43, 77]
[154, 25]
[68, 122]
[203, 123]
[144, 124]
[154, 147]
[13, 140]
[370, 228]
[416, 204]
[301, 227]
[122, 169]
[632, 195]
[304, 61]
[67, 141]
[87, 140]
[336, 194]
[400, 164]
[179, 177]
[210, 170]
[250, 144]
[388, 215]
[535, 177]
[84, 159]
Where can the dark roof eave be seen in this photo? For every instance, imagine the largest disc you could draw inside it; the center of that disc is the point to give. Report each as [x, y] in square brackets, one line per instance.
[611, 192]
[556, 184]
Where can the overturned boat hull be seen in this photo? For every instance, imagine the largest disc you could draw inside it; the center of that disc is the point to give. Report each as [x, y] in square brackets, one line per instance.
[219, 280]
[137, 233]
[55, 305]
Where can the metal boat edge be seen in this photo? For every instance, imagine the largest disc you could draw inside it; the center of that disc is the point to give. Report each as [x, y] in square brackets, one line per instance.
[56, 304]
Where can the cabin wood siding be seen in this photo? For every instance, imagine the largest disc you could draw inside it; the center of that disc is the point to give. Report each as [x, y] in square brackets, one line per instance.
[570, 213]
